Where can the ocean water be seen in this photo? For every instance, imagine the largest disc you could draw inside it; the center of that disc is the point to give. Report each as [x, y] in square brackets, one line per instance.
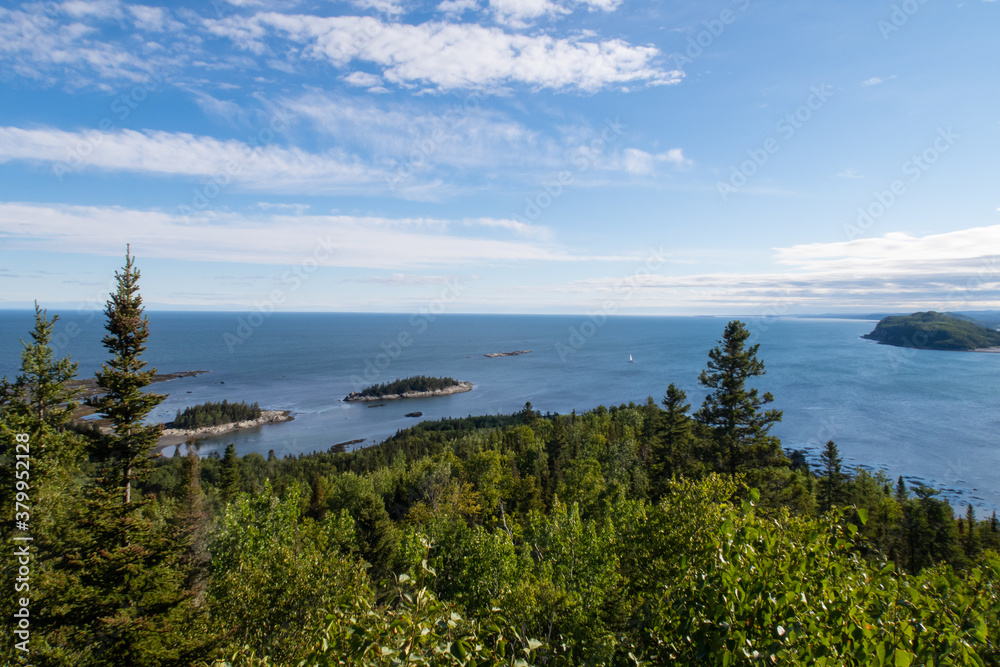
[930, 416]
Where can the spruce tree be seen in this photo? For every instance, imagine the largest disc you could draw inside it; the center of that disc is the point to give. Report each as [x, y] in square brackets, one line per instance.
[231, 481]
[831, 485]
[671, 448]
[734, 412]
[128, 449]
[128, 576]
[39, 404]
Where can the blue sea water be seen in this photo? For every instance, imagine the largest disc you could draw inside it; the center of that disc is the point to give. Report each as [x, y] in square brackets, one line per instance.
[929, 416]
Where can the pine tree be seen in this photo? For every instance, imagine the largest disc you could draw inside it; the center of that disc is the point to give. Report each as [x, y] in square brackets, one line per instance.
[734, 412]
[831, 484]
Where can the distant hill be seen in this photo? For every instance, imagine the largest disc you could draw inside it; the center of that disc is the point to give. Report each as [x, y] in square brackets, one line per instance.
[933, 331]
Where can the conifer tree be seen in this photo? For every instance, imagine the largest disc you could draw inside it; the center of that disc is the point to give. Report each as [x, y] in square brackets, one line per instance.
[231, 481]
[734, 412]
[127, 450]
[41, 392]
[126, 579]
[671, 449]
[39, 404]
[831, 484]
[970, 543]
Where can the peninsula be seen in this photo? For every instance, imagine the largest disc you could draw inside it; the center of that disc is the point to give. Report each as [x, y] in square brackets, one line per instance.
[506, 354]
[419, 386]
[934, 331]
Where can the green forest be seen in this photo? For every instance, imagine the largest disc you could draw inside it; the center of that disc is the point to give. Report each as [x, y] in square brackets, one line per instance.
[934, 331]
[214, 414]
[415, 383]
[646, 533]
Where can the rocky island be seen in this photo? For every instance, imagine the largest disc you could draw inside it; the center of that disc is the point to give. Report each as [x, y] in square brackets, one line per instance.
[419, 386]
[934, 331]
[506, 354]
[174, 436]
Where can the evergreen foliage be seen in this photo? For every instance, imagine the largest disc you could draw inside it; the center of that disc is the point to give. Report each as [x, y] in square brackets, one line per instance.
[933, 331]
[622, 535]
[734, 412]
[831, 491]
[215, 414]
[415, 383]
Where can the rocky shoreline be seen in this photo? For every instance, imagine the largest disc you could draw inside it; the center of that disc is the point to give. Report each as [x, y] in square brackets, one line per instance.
[356, 397]
[175, 436]
[492, 355]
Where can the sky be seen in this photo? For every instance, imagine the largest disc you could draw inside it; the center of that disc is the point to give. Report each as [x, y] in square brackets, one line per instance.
[730, 157]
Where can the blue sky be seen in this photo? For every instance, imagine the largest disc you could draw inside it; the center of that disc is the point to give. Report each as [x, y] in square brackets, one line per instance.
[734, 157]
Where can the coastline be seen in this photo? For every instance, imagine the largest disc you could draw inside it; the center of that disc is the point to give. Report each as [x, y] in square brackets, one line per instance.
[988, 350]
[172, 437]
[456, 389]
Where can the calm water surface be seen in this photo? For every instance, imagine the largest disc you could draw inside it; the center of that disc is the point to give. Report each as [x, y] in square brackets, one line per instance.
[931, 416]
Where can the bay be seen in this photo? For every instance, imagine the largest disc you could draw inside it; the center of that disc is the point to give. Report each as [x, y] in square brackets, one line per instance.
[930, 416]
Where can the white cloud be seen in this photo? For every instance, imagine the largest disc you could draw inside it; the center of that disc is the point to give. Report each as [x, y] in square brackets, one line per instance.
[457, 7]
[636, 161]
[270, 167]
[522, 13]
[37, 46]
[406, 280]
[876, 80]
[406, 137]
[153, 19]
[849, 173]
[388, 7]
[365, 242]
[948, 271]
[363, 79]
[450, 56]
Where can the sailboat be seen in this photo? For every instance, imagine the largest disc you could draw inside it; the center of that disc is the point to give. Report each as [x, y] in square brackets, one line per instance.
[630, 358]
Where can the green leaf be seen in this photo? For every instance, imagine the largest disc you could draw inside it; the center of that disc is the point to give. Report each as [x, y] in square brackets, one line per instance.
[862, 515]
[903, 658]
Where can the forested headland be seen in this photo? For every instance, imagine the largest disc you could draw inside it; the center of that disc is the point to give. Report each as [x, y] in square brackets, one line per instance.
[934, 331]
[646, 533]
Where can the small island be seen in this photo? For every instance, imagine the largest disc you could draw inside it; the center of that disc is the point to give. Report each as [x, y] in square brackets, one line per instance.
[211, 419]
[934, 331]
[506, 354]
[418, 386]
